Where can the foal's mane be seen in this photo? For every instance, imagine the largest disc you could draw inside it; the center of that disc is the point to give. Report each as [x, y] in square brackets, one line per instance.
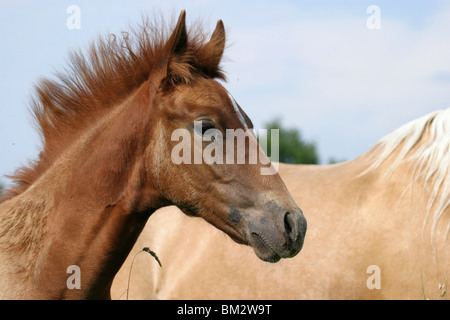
[95, 81]
[423, 143]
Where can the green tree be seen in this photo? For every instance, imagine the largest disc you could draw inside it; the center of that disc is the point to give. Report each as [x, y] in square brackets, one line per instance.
[292, 148]
[333, 160]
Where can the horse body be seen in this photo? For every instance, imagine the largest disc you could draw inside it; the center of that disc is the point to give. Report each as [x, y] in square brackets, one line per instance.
[377, 229]
[106, 166]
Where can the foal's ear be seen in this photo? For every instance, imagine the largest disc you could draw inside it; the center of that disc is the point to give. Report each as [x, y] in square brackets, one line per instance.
[210, 54]
[177, 43]
[172, 63]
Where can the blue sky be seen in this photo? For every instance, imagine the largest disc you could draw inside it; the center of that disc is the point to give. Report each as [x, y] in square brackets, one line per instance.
[315, 64]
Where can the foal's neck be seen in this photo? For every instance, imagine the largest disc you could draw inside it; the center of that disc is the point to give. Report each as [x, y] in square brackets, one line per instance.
[85, 211]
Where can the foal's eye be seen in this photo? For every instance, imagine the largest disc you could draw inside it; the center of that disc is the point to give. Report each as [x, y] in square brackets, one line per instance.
[202, 126]
[206, 127]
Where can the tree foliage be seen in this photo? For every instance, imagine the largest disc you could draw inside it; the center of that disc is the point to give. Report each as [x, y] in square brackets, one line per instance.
[292, 147]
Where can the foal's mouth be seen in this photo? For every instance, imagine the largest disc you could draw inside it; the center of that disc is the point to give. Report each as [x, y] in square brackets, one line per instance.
[262, 249]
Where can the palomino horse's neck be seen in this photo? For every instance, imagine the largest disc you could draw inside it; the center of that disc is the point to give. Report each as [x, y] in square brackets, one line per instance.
[84, 211]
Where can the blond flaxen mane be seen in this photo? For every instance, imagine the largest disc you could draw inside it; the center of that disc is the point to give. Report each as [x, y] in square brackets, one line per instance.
[429, 136]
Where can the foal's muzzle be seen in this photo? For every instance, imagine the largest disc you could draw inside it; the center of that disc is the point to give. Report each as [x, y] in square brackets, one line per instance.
[282, 239]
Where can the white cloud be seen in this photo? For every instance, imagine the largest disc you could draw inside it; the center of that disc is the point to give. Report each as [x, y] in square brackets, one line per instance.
[341, 83]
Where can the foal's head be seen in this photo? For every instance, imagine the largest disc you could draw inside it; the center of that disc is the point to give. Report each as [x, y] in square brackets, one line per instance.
[123, 106]
[250, 207]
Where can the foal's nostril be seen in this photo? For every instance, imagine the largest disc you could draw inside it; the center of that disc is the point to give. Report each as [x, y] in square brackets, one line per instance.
[289, 226]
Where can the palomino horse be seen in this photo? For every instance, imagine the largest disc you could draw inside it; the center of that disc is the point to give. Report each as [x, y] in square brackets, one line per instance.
[74, 215]
[377, 228]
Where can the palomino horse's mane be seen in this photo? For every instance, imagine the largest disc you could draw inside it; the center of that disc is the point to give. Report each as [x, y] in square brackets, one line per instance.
[429, 136]
[99, 79]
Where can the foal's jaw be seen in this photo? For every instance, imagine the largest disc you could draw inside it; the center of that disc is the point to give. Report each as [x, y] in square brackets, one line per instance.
[270, 222]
